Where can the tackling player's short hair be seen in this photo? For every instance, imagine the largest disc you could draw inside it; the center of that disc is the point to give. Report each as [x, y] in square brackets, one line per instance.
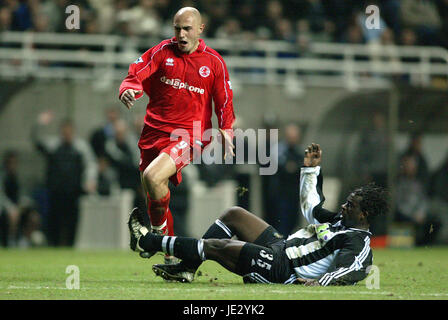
[375, 200]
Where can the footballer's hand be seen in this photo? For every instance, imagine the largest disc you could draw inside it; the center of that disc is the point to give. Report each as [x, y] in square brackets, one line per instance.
[309, 282]
[313, 155]
[227, 142]
[128, 97]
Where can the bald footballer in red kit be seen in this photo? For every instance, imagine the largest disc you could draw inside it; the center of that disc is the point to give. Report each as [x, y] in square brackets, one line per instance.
[182, 77]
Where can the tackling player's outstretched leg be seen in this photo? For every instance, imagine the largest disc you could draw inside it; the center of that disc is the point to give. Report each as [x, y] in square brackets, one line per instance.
[215, 244]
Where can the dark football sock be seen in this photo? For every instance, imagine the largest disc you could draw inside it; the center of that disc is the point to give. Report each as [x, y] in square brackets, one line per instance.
[217, 230]
[180, 247]
[151, 242]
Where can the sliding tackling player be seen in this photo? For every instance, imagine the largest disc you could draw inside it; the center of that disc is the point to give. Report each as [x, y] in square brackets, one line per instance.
[334, 249]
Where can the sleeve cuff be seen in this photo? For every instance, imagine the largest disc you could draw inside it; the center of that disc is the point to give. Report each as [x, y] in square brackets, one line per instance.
[229, 131]
[315, 170]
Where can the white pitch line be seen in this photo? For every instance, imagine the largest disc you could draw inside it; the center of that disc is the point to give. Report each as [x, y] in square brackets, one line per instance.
[373, 292]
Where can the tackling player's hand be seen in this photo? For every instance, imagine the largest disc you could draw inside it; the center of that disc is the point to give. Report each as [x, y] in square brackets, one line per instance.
[128, 97]
[227, 143]
[313, 155]
[308, 282]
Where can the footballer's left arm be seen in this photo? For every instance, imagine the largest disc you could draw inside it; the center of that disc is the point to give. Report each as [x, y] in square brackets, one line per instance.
[223, 100]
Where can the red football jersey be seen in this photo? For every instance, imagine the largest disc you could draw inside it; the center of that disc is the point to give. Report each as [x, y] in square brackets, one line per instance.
[181, 87]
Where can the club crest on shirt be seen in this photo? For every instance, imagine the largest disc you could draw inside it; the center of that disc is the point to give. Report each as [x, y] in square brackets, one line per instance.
[204, 71]
[169, 62]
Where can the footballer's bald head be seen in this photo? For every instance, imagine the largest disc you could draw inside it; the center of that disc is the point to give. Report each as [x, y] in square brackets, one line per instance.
[189, 11]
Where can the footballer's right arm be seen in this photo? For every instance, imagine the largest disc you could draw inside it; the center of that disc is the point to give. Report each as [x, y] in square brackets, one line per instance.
[141, 69]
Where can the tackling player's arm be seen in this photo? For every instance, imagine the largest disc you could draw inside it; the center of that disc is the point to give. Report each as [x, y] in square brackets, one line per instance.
[141, 69]
[311, 181]
[350, 265]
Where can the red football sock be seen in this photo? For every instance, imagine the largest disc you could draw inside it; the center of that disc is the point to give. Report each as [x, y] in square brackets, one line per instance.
[158, 212]
[170, 223]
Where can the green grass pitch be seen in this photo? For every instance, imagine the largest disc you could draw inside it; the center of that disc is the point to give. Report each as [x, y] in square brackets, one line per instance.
[41, 274]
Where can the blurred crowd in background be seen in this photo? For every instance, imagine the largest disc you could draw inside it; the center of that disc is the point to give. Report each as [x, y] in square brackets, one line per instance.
[421, 199]
[102, 165]
[403, 22]
[107, 162]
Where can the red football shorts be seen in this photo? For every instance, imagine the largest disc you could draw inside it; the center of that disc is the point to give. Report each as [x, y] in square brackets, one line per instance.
[153, 142]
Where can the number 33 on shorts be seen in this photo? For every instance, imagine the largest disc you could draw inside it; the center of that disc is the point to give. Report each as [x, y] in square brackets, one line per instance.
[264, 264]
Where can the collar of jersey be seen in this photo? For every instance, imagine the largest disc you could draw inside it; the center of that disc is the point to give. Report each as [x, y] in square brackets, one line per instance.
[200, 49]
[368, 231]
